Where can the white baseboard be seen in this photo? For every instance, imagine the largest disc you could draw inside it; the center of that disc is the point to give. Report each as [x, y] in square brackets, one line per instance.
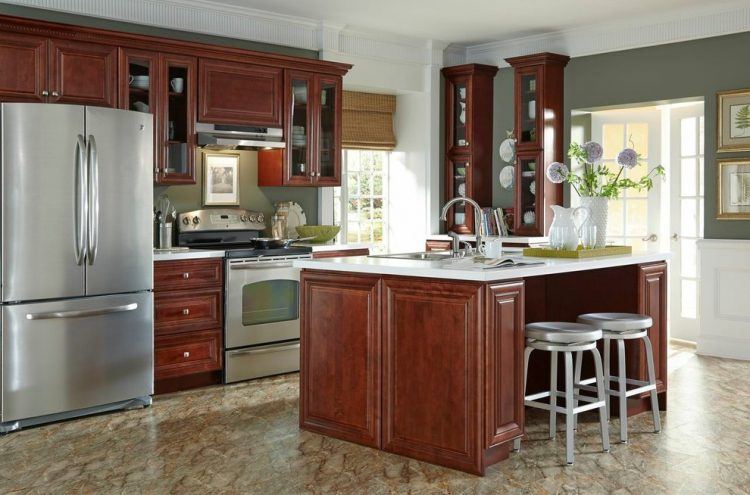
[724, 347]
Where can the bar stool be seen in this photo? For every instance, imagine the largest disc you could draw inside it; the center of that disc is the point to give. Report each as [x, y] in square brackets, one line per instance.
[567, 338]
[621, 327]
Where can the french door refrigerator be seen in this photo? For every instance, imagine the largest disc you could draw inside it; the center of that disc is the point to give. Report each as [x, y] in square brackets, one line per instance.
[76, 261]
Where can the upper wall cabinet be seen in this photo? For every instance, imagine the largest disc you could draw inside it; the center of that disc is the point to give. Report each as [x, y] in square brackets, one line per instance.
[38, 69]
[237, 93]
[177, 122]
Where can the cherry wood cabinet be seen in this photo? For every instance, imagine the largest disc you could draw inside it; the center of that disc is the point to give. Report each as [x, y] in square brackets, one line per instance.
[23, 60]
[83, 73]
[652, 301]
[237, 93]
[340, 389]
[341, 253]
[468, 140]
[539, 121]
[188, 323]
[313, 132]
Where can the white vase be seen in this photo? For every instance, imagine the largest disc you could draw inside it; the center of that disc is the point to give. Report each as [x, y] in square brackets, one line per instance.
[598, 209]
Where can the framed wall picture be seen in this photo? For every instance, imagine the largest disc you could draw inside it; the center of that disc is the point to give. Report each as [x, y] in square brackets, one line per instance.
[221, 183]
[733, 120]
[733, 189]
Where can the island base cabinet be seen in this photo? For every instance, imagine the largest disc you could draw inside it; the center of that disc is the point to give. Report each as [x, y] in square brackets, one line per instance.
[340, 382]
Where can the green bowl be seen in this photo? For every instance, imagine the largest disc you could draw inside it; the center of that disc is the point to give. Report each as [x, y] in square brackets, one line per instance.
[321, 233]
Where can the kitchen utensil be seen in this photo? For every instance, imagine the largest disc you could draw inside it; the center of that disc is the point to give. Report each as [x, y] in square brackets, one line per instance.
[139, 82]
[177, 84]
[318, 233]
[507, 177]
[165, 235]
[564, 219]
[278, 226]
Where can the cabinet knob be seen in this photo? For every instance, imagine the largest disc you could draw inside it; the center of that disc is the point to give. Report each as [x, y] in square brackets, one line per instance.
[186, 275]
[186, 311]
[55, 93]
[186, 354]
[45, 93]
[466, 143]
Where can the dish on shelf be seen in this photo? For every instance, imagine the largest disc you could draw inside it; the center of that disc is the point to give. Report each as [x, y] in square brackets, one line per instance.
[507, 176]
[462, 189]
[528, 173]
[531, 165]
[508, 150]
[532, 187]
[529, 217]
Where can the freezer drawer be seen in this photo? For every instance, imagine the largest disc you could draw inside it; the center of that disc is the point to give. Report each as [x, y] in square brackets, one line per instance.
[77, 353]
[255, 362]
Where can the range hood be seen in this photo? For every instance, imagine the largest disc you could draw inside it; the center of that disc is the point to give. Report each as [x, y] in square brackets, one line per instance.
[235, 137]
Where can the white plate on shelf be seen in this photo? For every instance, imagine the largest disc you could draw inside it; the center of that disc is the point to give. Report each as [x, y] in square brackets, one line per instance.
[532, 187]
[295, 217]
[507, 176]
[508, 150]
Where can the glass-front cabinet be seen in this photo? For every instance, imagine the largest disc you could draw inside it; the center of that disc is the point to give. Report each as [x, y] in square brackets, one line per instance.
[300, 162]
[458, 184]
[139, 80]
[177, 126]
[529, 192]
[529, 108]
[459, 130]
[329, 131]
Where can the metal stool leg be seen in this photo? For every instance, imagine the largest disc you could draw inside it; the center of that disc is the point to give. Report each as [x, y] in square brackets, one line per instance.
[607, 373]
[569, 414]
[622, 391]
[600, 395]
[526, 356]
[576, 379]
[553, 394]
[652, 381]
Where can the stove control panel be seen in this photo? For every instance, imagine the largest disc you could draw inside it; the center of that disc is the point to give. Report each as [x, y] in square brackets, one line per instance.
[220, 219]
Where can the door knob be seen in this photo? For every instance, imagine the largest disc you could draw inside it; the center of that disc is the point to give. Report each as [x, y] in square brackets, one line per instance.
[675, 236]
[652, 238]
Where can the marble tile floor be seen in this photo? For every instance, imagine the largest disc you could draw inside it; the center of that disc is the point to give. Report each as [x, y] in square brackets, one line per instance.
[244, 439]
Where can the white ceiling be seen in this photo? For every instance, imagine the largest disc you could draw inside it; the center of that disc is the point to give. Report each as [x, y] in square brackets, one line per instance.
[476, 21]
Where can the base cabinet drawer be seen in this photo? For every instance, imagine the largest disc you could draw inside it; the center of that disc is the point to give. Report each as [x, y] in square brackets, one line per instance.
[183, 354]
[187, 274]
[254, 362]
[182, 311]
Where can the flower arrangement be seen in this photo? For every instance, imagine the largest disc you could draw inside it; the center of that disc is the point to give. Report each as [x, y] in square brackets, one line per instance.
[596, 180]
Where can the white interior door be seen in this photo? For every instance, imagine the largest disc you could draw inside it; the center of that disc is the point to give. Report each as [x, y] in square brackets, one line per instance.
[634, 218]
[686, 224]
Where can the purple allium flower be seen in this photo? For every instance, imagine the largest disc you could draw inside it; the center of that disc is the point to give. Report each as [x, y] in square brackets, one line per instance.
[557, 172]
[627, 158]
[594, 151]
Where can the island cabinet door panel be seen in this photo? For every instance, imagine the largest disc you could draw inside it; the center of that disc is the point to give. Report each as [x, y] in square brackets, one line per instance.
[432, 371]
[652, 300]
[23, 67]
[505, 343]
[237, 93]
[83, 73]
[340, 356]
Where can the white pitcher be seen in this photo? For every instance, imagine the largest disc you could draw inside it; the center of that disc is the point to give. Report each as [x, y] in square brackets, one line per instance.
[563, 232]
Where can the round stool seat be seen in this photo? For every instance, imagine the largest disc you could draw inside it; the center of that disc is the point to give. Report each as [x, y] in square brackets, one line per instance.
[617, 322]
[562, 332]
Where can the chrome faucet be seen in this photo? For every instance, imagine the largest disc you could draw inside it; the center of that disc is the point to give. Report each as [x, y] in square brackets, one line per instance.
[477, 222]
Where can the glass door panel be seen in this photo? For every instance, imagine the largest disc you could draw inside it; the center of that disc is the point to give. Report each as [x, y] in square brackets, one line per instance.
[178, 128]
[460, 104]
[270, 301]
[528, 111]
[139, 80]
[299, 145]
[460, 219]
[527, 179]
[329, 153]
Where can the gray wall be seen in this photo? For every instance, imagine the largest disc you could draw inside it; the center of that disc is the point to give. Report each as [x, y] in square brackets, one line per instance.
[697, 68]
[189, 197]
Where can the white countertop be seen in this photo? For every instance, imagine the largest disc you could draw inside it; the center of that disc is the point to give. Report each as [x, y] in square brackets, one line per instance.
[190, 254]
[435, 269]
[516, 239]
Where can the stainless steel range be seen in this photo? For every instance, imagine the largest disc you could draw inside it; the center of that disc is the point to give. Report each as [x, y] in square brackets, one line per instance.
[261, 301]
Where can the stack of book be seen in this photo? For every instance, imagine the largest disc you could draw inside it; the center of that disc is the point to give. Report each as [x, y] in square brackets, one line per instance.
[493, 222]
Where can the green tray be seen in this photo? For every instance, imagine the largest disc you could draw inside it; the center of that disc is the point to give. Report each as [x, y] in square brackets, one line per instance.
[545, 252]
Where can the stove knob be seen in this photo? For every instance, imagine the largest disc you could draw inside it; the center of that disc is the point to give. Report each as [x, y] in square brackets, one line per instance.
[253, 218]
[196, 220]
[261, 218]
[186, 220]
[243, 218]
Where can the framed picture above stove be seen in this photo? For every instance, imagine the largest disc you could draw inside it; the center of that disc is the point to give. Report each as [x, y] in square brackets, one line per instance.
[221, 181]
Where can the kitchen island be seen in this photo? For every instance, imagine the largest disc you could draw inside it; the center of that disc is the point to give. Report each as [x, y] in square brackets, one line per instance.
[425, 361]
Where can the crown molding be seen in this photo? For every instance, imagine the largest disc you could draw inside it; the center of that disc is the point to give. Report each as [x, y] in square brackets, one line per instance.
[213, 18]
[704, 22]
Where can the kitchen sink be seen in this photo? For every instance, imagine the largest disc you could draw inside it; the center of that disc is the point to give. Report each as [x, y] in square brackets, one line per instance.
[425, 256]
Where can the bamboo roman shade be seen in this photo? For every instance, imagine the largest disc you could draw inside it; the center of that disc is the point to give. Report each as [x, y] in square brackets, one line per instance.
[367, 121]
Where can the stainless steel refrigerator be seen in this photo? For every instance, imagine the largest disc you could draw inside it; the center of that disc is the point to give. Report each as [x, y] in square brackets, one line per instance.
[77, 261]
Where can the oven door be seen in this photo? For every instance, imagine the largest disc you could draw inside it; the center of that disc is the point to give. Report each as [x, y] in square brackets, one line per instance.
[262, 302]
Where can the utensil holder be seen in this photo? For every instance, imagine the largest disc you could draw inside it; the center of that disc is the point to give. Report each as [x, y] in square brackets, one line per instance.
[165, 235]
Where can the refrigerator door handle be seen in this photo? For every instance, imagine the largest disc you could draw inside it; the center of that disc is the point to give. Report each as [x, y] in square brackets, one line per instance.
[82, 313]
[93, 199]
[81, 201]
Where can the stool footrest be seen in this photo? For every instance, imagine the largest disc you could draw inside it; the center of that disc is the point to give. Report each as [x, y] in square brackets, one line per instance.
[562, 410]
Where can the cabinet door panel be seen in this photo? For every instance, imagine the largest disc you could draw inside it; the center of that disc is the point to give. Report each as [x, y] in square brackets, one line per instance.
[300, 165]
[83, 73]
[23, 63]
[177, 121]
[328, 139]
[459, 182]
[432, 378]
[187, 274]
[340, 356]
[652, 301]
[235, 93]
[188, 353]
[181, 311]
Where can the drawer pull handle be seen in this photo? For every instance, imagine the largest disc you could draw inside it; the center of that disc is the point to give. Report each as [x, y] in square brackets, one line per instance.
[186, 354]
[186, 311]
[186, 275]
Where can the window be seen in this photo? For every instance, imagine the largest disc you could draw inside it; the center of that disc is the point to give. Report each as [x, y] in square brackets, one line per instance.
[360, 205]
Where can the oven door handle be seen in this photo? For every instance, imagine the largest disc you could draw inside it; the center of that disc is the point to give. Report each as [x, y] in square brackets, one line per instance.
[264, 350]
[260, 266]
